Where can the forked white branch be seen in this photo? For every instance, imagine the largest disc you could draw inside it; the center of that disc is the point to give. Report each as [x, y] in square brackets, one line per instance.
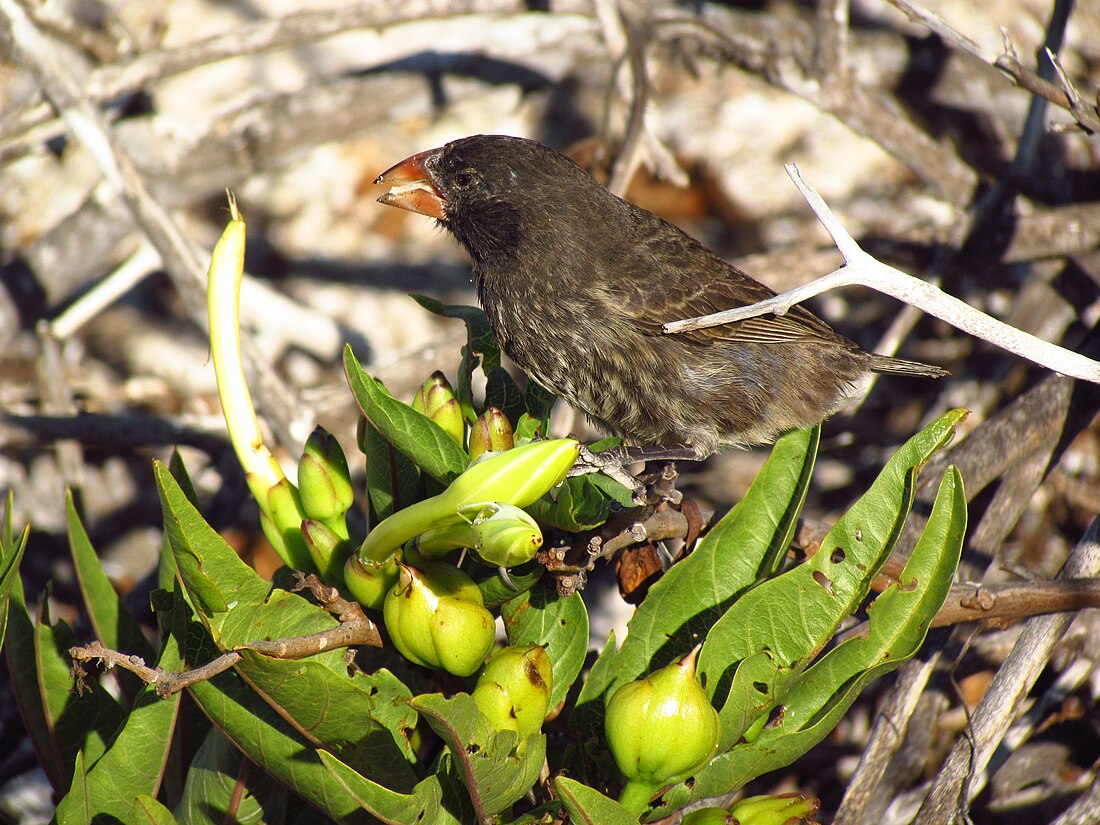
[863, 269]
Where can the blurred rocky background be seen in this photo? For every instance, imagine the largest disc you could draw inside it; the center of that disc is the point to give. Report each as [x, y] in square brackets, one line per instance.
[943, 135]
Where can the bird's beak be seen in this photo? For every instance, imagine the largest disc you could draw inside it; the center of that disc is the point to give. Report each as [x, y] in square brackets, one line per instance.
[412, 186]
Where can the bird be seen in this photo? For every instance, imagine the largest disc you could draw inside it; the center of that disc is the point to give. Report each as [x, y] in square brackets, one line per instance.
[577, 283]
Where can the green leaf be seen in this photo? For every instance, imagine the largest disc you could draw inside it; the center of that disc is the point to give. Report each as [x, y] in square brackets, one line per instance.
[590, 807]
[495, 591]
[898, 622]
[11, 555]
[393, 481]
[539, 401]
[502, 392]
[422, 440]
[303, 691]
[134, 761]
[113, 624]
[577, 504]
[542, 617]
[153, 812]
[219, 779]
[829, 586]
[495, 777]
[74, 723]
[420, 807]
[687, 600]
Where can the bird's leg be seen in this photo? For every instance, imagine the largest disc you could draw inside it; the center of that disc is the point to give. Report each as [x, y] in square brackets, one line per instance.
[613, 463]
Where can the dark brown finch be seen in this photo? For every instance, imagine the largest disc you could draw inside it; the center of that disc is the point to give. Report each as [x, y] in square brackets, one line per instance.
[577, 282]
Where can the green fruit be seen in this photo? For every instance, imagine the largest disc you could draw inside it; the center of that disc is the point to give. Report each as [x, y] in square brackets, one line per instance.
[513, 691]
[324, 481]
[662, 729]
[436, 617]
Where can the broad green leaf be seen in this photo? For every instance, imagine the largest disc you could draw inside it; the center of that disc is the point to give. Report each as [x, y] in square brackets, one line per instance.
[153, 812]
[420, 807]
[220, 778]
[113, 624]
[590, 807]
[494, 776]
[480, 335]
[687, 600]
[422, 440]
[577, 504]
[501, 392]
[539, 401]
[796, 614]
[303, 691]
[78, 790]
[542, 617]
[273, 745]
[495, 591]
[393, 481]
[898, 622]
[134, 761]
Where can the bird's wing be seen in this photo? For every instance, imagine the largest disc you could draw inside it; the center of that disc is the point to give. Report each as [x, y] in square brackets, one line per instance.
[702, 291]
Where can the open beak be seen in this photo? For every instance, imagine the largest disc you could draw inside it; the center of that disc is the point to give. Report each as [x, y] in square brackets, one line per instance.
[412, 187]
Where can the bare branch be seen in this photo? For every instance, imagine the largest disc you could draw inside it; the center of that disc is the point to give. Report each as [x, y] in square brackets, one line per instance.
[864, 270]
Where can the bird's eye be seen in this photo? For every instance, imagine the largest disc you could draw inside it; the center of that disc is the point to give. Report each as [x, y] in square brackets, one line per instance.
[465, 178]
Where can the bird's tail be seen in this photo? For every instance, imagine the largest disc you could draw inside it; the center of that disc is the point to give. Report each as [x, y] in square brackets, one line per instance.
[899, 366]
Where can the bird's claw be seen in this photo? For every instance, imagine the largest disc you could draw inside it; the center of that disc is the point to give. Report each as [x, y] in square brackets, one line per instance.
[610, 463]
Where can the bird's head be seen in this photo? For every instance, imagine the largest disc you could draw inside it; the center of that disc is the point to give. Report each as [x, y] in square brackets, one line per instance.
[491, 191]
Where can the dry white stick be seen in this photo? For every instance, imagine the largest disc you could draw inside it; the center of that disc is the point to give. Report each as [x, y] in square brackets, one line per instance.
[862, 269]
[133, 270]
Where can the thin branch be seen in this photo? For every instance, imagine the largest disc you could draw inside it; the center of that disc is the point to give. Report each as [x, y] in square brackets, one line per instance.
[963, 774]
[1066, 97]
[864, 270]
[355, 629]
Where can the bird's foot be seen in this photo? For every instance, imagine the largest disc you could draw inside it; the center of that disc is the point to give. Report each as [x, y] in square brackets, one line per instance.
[613, 463]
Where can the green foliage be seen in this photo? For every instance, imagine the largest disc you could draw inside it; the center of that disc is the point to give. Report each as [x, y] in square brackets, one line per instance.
[389, 740]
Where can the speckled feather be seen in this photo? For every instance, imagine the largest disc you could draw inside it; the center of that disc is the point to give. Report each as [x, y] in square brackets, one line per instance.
[577, 283]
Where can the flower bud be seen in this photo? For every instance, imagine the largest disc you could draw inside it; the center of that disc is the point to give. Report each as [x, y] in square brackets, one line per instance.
[781, 809]
[519, 476]
[661, 729]
[514, 689]
[281, 520]
[491, 433]
[436, 617]
[329, 550]
[436, 400]
[368, 583]
[502, 534]
[324, 481]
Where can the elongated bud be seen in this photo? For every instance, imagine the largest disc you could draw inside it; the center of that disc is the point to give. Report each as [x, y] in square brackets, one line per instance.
[281, 517]
[264, 476]
[329, 550]
[324, 481]
[436, 617]
[491, 433]
[518, 477]
[661, 730]
[502, 534]
[370, 584]
[436, 400]
[514, 689]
